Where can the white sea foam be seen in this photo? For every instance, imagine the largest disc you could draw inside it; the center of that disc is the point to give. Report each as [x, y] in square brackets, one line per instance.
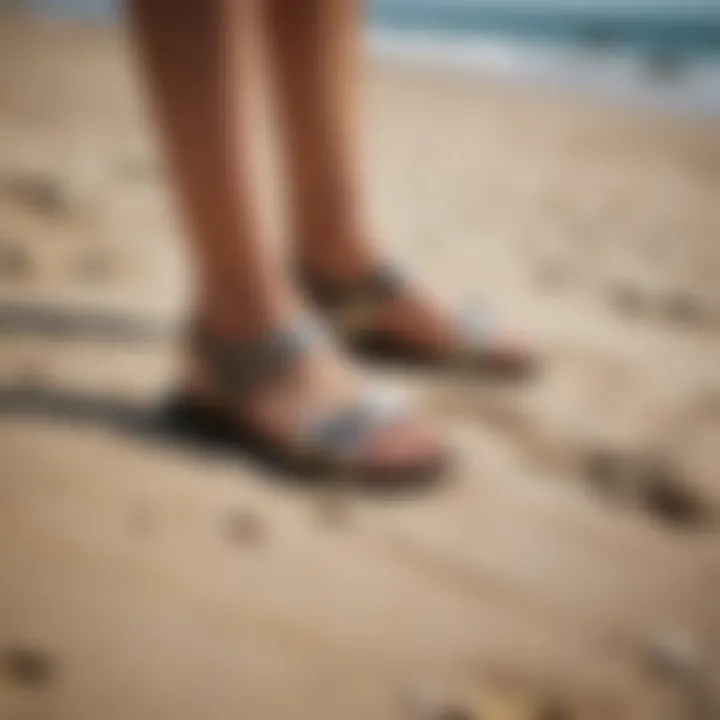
[675, 84]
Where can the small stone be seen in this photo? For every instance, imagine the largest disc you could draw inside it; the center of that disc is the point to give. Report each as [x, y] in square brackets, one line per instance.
[243, 527]
[457, 713]
[45, 194]
[26, 666]
[425, 705]
[553, 710]
[671, 656]
[684, 308]
[666, 496]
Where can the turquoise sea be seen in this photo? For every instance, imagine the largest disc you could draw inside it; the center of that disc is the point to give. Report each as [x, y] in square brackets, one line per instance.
[663, 54]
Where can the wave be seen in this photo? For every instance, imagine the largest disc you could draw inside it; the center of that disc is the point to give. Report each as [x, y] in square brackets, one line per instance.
[687, 25]
[672, 84]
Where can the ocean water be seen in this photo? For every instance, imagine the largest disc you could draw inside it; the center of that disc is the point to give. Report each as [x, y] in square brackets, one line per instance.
[685, 26]
[663, 54]
[83, 9]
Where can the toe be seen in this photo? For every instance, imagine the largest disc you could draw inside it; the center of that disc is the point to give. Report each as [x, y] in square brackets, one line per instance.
[406, 451]
[511, 353]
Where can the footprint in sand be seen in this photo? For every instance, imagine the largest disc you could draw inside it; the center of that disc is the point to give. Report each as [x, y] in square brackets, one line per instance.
[547, 710]
[684, 307]
[632, 298]
[671, 656]
[648, 481]
[673, 659]
[37, 192]
[666, 496]
[29, 667]
[424, 704]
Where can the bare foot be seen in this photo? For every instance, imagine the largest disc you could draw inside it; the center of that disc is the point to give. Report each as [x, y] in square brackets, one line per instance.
[319, 385]
[419, 324]
[413, 321]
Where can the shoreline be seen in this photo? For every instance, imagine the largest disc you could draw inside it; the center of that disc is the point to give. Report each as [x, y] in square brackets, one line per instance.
[685, 86]
[622, 77]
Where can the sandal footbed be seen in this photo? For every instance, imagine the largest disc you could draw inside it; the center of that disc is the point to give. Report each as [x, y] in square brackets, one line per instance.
[214, 427]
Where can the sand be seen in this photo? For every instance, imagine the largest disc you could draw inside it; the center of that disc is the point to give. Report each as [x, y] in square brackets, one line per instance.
[575, 557]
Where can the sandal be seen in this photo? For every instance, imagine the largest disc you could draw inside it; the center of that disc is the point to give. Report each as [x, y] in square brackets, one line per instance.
[328, 445]
[352, 312]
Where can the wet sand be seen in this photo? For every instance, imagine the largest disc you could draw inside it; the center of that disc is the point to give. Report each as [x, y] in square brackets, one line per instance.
[574, 559]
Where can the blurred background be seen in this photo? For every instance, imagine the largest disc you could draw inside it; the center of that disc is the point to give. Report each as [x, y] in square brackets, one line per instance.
[559, 157]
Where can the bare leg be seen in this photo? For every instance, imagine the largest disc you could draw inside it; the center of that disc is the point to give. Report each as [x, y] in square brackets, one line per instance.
[200, 56]
[317, 53]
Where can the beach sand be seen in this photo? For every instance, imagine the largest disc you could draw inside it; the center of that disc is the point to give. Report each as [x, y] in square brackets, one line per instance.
[575, 557]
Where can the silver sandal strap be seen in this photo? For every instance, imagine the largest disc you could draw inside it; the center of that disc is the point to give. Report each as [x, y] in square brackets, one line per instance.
[238, 367]
[477, 327]
[380, 283]
[343, 434]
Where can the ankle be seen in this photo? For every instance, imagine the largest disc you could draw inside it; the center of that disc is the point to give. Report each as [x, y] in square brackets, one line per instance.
[243, 316]
[340, 264]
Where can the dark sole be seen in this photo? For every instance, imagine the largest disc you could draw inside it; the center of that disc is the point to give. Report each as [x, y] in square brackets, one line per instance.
[384, 351]
[211, 428]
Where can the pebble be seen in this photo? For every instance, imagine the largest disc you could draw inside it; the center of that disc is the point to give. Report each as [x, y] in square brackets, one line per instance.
[671, 656]
[665, 495]
[41, 193]
[684, 307]
[458, 713]
[243, 527]
[425, 705]
[553, 710]
[26, 666]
